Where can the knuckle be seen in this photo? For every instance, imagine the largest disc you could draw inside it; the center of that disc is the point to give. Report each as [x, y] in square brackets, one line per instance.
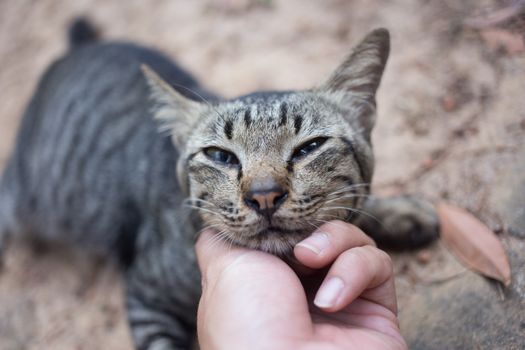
[384, 259]
[373, 258]
[371, 241]
[383, 255]
[356, 257]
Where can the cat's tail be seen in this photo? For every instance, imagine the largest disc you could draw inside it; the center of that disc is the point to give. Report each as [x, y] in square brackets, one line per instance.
[81, 32]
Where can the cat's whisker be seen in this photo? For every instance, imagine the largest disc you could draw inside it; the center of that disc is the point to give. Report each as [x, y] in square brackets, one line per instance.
[204, 209]
[347, 196]
[331, 217]
[330, 223]
[191, 200]
[211, 226]
[220, 236]
[231, 242]
[322, 221]
[353, 186]
[345, 193]
[359, 211]
[311, 224]
[348, 188]
[215, 242]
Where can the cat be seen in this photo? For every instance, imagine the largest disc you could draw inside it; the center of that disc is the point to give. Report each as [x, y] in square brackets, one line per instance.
[118, 140]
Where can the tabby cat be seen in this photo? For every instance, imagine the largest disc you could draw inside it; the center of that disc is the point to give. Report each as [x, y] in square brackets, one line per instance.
[91, 167]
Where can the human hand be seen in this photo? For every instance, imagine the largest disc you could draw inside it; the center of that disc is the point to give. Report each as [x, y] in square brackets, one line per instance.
[254, 300]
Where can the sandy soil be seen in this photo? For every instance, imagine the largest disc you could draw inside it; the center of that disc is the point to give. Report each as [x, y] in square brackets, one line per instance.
[451, 118]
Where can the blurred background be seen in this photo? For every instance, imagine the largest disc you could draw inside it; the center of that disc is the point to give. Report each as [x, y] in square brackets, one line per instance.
[451, 124]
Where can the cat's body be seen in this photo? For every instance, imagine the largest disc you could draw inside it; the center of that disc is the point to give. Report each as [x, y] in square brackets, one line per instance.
[91, 167]
[83, 169]
[66, 188]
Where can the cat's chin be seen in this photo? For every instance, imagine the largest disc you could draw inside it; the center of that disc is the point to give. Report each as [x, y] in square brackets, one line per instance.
[273, 240]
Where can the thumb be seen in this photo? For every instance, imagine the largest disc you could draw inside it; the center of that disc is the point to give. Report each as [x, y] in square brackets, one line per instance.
[239, 286]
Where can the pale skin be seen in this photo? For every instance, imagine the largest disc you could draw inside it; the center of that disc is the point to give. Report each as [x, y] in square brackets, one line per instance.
[254, 300]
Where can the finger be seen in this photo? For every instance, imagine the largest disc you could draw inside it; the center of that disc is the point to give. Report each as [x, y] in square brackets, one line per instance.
[248, 284]
[212, 251]
[328, 242]
[365, 272]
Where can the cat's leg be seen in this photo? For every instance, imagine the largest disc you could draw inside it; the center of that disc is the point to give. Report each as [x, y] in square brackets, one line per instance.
[7, 210]
[162, 294]
[155, 328]
[4, 235]
[401, 222]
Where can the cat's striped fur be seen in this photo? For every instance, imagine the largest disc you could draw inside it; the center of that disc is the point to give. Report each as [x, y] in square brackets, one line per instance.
[91, 167]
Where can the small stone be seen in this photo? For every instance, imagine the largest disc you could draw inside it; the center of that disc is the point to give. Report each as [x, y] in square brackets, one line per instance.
[427, 163]
[448, 103]
[424, 256]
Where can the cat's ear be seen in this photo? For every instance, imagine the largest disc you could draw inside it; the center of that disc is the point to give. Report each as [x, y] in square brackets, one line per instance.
[176, 113]
[356, 80]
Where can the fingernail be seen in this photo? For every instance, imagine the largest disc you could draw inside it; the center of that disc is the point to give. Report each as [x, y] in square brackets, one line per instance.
[316, 242]
[329, 292]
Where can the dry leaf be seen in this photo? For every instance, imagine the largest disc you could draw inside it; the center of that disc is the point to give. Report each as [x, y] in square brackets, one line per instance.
[503, 39]
[473, 243]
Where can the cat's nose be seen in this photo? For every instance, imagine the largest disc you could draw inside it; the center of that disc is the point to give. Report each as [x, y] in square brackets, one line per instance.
[265, 197]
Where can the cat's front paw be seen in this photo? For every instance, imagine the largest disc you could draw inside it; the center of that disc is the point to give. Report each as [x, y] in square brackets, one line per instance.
[401, 222]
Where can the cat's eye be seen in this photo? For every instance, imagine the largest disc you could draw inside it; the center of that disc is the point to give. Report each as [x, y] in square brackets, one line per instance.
[308, 147]
[221, 156]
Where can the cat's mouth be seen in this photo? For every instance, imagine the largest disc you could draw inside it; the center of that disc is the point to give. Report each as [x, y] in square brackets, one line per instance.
[277, 236]
[272, 230]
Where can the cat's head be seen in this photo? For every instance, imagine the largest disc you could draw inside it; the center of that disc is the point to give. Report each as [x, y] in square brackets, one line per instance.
[266, 169]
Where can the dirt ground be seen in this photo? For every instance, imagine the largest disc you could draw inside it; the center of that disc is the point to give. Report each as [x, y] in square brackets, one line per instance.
[451, 118]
